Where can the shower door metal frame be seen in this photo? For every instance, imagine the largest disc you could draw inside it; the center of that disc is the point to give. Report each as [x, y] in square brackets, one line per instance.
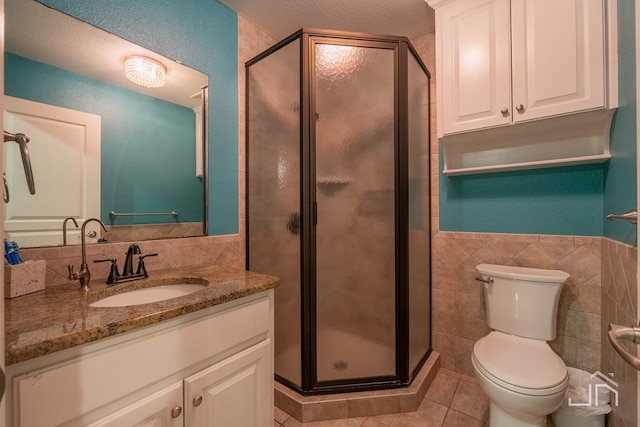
[308, 209]
[310, 39]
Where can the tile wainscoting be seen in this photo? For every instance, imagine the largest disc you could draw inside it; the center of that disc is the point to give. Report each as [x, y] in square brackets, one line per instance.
[459, 315]
[602, 289]
[620, 306]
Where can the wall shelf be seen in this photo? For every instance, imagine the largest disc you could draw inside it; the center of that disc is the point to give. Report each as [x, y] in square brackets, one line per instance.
[566, 140]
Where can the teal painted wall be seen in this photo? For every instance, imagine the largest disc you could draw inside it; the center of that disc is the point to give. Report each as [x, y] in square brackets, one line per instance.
[147, 145]
[620, 185]
[202, 34]
[565, 200]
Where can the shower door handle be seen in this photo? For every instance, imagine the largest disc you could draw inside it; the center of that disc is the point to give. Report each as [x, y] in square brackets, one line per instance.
[293, 223]
[315, 214]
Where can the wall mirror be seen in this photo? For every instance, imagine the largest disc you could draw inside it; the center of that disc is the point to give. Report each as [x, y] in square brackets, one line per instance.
[100, 145]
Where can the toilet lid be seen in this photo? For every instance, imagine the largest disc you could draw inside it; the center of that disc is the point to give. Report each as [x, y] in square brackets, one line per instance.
[522, 362]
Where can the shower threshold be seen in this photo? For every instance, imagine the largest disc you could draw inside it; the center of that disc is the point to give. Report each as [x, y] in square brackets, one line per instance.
[307, 409]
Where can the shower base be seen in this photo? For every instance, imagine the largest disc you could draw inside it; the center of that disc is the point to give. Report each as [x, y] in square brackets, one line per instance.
[358, 404]
[342, 356]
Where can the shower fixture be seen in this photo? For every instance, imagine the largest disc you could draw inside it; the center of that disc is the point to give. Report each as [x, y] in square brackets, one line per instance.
[22, 141]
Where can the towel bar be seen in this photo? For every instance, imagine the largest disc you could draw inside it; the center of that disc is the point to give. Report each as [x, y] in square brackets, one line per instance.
[113, 214]
[617, 333]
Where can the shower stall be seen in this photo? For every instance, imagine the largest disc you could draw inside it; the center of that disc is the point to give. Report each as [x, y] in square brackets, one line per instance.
[338, 189]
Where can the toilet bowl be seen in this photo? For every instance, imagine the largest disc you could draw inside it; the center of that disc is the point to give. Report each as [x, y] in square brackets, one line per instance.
[523, 378]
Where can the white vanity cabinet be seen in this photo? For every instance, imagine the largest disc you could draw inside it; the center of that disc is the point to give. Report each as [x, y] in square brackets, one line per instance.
[229, 393]
[213, 367]
[501, 62]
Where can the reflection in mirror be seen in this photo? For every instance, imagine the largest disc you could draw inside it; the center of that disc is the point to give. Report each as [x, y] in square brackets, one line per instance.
[100, 145]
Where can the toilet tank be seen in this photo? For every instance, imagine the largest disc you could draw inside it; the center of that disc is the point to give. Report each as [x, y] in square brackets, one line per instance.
[522, 301]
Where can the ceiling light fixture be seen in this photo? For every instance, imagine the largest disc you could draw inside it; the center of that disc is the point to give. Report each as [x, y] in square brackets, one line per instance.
[144, 71]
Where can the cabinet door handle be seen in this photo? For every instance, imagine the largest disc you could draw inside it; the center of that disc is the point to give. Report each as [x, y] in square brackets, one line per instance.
[197, 400]
[504, 111]
[520, 108]
[175, 412]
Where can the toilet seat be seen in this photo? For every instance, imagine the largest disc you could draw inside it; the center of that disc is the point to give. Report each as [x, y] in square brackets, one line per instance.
[509, 361]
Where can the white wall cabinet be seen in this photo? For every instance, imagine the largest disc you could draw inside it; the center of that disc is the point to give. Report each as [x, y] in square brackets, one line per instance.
[210, 368]
[517, 80]
[506, 61]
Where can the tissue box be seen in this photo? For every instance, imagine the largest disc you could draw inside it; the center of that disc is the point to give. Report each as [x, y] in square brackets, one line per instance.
[25, 278]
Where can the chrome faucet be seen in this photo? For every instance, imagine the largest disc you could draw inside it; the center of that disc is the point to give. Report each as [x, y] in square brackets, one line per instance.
[64, 229]
[84, 275]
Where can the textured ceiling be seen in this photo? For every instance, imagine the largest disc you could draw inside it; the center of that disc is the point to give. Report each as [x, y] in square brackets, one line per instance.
[280, 18]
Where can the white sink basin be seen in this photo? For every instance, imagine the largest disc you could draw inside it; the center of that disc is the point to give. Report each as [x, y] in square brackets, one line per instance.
[148, 295]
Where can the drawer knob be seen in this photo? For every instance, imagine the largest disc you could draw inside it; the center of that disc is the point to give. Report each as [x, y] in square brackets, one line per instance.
[197, 400]
[504, 111]
[175, 412]
[520, 108]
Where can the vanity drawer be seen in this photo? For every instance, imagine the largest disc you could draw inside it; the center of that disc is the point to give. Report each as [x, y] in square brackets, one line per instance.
[103, 379]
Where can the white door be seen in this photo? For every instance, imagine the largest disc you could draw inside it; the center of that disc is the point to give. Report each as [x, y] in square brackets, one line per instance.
[64, 188]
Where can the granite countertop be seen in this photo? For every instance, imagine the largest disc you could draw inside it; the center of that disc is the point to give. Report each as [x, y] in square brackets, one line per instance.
[60, 317]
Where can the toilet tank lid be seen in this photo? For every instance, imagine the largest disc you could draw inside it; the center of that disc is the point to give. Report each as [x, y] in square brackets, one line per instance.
[523, 273]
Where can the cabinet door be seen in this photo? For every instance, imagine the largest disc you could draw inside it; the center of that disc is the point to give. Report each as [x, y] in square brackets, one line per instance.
[558, 57]
[236, 392]
[474, 65]
[161, 409]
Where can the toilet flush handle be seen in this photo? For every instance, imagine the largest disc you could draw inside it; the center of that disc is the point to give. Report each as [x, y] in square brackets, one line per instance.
[483, 279]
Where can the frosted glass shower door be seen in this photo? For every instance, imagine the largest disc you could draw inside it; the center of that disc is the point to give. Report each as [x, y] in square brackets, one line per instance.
[273, 190]
[354, 94]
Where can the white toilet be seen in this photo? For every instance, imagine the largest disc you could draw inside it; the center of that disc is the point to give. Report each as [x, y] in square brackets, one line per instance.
[515, 367]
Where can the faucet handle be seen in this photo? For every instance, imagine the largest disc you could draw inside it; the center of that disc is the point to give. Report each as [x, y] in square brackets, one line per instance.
[141, 268]
[114, 273]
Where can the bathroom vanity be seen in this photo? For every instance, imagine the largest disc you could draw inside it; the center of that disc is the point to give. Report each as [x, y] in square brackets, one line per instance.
[205, 359]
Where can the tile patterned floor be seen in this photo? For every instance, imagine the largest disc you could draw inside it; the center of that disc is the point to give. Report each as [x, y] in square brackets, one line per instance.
[453, 400]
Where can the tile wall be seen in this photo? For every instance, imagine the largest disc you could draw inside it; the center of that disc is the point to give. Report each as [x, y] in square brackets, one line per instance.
[459, 315]
[218, 250]
[620, 306]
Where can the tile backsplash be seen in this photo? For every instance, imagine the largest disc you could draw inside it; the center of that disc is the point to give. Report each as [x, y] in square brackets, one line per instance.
[218, 250]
